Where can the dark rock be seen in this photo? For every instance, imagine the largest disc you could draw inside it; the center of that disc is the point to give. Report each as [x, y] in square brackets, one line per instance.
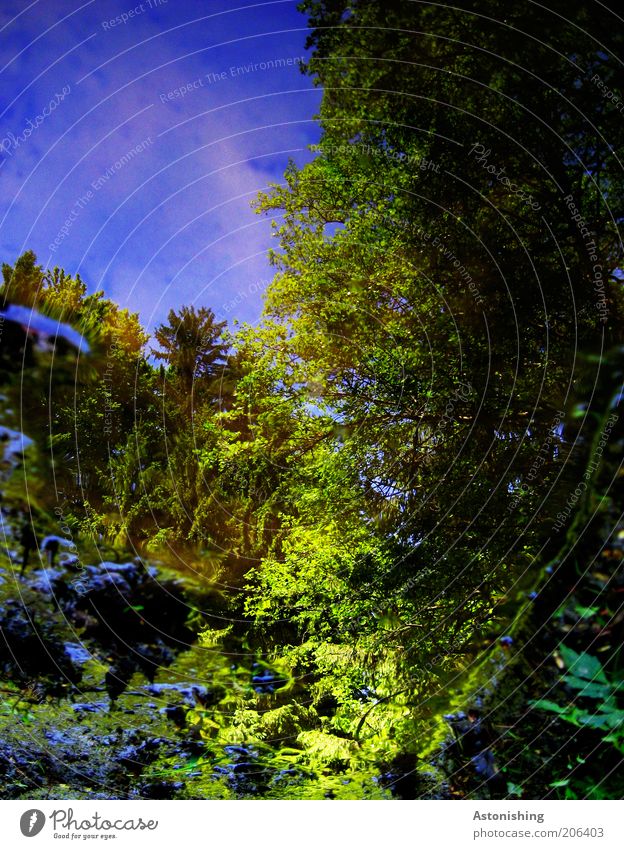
[89, 707]
[30, 649]
[151, 658]
[177, 714]
[77, 653]
[160, 789]
[237, 751]
[326, 705]
[471, 747]
[136, 758]
[118, 677]
[21, 769]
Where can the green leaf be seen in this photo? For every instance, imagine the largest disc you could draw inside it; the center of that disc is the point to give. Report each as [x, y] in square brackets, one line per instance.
[614, 719]
[513, 789]
[585, 612]
[546, 704]
[617, 740]
[597, 720]
[583, 665]
[589, 689]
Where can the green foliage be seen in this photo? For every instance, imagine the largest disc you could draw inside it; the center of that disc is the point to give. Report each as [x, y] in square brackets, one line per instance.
[372, 472]
[192, 346]
[586, 677]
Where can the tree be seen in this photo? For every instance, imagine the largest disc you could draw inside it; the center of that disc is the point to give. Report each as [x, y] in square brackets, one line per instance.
[24, 281]
[438, 270]
[192, 346]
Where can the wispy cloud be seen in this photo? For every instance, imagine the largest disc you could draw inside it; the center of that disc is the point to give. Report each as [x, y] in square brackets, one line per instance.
[141, 178]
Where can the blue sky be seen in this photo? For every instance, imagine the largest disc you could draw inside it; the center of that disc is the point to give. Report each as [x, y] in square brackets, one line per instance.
[110, 168]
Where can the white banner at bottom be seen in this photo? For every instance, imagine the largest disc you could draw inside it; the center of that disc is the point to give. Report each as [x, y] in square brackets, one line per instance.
[308, 825]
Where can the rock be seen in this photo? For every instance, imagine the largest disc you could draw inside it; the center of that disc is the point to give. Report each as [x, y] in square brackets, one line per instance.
[21, 769]
[131, 606]
[176, 713]
[102, 586]
[160, 789]
[14, 444]
[326, 705]
[118, 677]
[69, 561]
[472, 746]
[61, 542]
[29, 648]
[89, 707]
[151, 658]
[136, 758]
[51, 582]
[131, 573]
[245, 774]
[191, 693]
[77, 653]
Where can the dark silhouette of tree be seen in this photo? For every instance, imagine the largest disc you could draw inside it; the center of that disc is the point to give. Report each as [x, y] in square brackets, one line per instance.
[192, 346]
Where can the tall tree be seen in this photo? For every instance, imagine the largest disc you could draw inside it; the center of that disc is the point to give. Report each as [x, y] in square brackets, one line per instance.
[23, 282]
[192, 346]
[442, 259]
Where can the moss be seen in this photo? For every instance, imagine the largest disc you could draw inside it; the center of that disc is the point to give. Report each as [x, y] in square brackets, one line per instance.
[284, 724]
[326, 749]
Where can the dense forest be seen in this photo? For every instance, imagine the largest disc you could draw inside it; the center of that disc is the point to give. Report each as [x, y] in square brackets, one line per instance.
[390, 510]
